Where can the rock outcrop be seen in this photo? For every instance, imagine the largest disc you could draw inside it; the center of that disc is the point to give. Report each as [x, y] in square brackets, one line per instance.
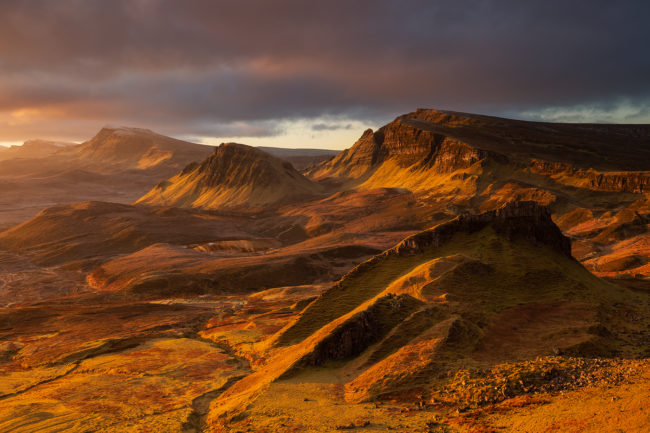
[364, 328]
[617, 181]
[525, 221]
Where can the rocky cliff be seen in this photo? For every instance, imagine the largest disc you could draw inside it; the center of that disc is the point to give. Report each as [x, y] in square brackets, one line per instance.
[442, 142]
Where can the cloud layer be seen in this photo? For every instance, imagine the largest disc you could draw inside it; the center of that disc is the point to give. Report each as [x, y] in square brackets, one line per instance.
[238, 67]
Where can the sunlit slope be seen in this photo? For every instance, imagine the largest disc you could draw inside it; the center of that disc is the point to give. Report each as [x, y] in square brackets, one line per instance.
[472, 162]
[477, 290]
[135, 149]
[445, 140]
[476, 256]
[235, 175]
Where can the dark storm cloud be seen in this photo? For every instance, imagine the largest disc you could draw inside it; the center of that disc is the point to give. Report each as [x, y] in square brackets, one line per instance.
[186, 65]
[329, 126]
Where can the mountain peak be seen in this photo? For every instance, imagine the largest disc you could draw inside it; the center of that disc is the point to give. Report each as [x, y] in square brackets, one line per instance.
[234, 175]
[137, 148]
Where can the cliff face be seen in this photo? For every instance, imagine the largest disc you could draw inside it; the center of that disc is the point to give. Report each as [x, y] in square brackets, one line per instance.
[630, 181]
[234, 175]
[524, 220]
[405, 144]
[443, 142]
[637, 182]
[517, 220]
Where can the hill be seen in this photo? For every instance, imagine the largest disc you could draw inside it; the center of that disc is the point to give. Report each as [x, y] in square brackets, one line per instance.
[594, 177]
[87, 232]
[235, 175]
[135, 149]
[447, 141]
[466, 295]
[116, 165]
[32, 149]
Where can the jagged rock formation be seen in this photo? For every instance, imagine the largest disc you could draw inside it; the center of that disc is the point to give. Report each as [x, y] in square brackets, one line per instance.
[235, 175]
[621, 181]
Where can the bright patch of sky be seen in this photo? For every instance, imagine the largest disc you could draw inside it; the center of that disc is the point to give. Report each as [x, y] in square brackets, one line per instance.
[320, 133]
[622, 111]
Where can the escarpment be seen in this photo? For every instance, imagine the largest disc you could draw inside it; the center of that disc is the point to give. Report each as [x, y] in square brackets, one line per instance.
[406, 145]
[527, 220]
[518, 221]
[418, 149]
[618, 181]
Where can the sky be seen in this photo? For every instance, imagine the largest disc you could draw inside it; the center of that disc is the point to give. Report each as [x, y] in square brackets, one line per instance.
[297, 73]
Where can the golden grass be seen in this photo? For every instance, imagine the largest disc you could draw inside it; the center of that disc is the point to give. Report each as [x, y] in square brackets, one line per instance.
[149, 387]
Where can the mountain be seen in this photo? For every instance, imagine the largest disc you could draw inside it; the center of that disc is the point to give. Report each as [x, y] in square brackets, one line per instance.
[472, 293]
[445, 141]
[235, 175]
[33, 149]
[135, 149]
[594, 177]
[116, 165]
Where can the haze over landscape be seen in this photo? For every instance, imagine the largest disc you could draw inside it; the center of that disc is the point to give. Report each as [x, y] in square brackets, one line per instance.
[286, 216]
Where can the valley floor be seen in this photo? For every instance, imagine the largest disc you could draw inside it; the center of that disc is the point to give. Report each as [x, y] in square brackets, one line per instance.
[320, 407]
[123, 366]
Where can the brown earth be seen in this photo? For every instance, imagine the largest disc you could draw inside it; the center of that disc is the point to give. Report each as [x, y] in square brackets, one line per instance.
[476, 317]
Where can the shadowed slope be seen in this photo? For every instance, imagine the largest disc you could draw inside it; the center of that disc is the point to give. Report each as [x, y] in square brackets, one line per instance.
[91, 231]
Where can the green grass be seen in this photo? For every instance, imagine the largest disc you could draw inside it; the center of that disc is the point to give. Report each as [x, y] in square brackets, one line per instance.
[502, 274]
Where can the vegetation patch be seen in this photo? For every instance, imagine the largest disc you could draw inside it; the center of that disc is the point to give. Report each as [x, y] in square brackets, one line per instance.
[478, 387]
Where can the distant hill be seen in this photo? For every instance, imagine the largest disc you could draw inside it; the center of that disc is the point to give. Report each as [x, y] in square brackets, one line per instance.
[235, 175]
[117, 165]
[134, 149]
[33, 149]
